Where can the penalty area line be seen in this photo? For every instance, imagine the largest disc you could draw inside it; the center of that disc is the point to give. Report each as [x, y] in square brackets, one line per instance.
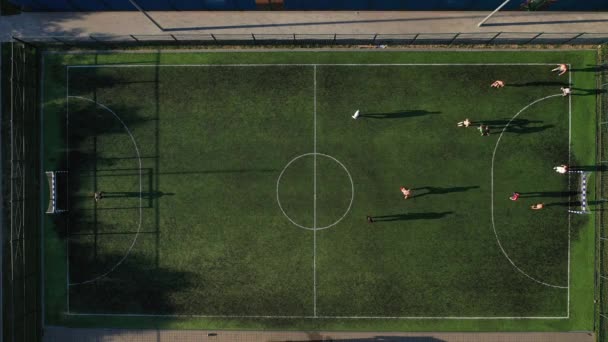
[326, 317]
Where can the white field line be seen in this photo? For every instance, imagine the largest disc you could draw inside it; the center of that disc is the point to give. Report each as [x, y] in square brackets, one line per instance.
[325, 317]
[284, 64]
[492, 195]
[569, 180]
[314, 229]
[314, 223]
[41, 146]
[140, 192]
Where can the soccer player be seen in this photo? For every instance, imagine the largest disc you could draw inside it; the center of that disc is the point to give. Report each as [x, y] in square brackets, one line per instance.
[498, 84]
[465, 123]
[561, 169]
[537, 206]
[566, 91]
[406, 192]
[370, 219]
[484, 130]
[561, 69]
[356, 115]
[98, 195]
[514, 197]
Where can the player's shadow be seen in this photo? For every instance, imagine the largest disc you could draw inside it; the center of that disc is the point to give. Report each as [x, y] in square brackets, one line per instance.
[599, 167]
[434, 190]
[147, 195]
[539, 83]
[547, 194]
[518, 126]
[574, 204]
[397, 115]
[411, 217]
[587, 92]
[591, 68]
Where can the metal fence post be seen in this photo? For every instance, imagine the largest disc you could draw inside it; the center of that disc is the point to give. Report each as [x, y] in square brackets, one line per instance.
[533, 38]
[492, 39]
[415, 37]
[453, 39]
[573, 38]
[212, 36]
[172, 36]
[374, 40]
[335, 36]
[254, 41]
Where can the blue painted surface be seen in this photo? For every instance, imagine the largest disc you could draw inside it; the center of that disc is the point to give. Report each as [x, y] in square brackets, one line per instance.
[363, 5]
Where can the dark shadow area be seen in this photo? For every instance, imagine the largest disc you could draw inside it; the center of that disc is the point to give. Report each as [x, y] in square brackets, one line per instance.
[548, 22]
[575, 204]
[517, 126]
[410, 217]
[137, 286]
[314, 23]
[591, 68]
[202, 172]
[547, 194]
[587, 92]
[433, 190]
[599, 167]
[137, 194]
[397, 115]
[539, 83]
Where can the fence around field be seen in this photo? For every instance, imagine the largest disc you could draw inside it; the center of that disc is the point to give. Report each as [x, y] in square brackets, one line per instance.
[601, 298]
[372, 39]
[21, 259]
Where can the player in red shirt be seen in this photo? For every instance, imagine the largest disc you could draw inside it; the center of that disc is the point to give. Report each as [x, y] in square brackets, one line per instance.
[514, 197]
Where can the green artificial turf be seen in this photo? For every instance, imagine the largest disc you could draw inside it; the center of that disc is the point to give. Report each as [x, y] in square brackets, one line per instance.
[220, 147]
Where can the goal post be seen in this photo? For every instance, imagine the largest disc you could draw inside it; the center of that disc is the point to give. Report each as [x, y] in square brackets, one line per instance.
[582, 187]
[57, 180]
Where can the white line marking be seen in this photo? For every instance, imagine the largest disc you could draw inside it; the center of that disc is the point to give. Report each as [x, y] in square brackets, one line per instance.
[140, 192]
[314, 223]
[321, 317]
[569, 178]
[273, 65]
[352, 187]
[492, 194]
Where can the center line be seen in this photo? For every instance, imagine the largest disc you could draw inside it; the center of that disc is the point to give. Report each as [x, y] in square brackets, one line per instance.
[314, 223]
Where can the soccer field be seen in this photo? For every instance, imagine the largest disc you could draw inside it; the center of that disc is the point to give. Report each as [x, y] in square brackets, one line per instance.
[236, 188]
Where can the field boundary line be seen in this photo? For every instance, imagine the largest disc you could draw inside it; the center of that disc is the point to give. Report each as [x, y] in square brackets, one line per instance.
[314, 220]
[569, 181]
[140, 194]
[492, 195]
[325, 317]
[297, 64]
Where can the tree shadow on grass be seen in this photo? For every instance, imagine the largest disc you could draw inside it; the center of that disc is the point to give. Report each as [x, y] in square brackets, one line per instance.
[411, 217]
[135, 286]
[397, 115]
[433, 190]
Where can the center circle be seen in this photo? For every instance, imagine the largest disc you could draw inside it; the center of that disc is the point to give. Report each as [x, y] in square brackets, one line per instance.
[314, 189]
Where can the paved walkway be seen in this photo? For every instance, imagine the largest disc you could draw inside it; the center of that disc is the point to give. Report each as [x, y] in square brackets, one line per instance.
[56, 334]
[348, 22]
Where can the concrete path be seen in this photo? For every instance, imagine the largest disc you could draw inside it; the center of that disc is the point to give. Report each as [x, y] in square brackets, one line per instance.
[56, 334]
[349, 22]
